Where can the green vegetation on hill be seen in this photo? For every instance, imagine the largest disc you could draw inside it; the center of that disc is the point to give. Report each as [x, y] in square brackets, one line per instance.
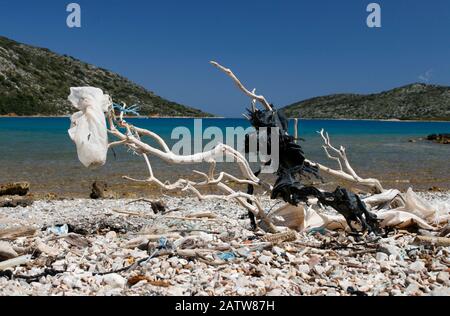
[36, 81]
[412, 102]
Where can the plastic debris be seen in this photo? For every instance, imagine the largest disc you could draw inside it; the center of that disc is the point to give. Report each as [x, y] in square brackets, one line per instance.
[88, 126]
[227, 256]
[59, 229]
[352, 291]
[163, 243]
[317, 230]
[130, 110]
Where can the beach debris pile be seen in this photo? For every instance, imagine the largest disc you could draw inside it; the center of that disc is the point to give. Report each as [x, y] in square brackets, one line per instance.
[205, 248]
[362, 204]
[293, 167]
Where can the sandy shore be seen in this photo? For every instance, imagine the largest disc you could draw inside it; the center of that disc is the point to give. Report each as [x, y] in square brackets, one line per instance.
[108, 235]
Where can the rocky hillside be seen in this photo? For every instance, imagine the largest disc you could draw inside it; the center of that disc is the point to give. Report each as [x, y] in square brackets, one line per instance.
[36, 81]
[412, 102]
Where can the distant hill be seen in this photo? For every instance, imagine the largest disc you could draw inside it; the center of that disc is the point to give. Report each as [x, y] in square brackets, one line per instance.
[416, 101]
[36, 81]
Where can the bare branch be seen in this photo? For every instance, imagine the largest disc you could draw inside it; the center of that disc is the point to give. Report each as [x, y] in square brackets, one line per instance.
[252, 95]
[348, 175]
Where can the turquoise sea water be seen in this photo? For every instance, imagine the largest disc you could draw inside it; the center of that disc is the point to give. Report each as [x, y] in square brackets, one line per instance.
[39, 150]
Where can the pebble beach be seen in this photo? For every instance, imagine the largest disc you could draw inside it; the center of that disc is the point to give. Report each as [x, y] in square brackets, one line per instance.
[121, 247]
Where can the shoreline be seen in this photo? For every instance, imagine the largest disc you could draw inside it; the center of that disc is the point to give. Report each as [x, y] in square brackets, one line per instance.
[376, 120]
[221, 117]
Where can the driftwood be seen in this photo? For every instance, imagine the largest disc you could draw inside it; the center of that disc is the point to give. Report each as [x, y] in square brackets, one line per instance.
[17, 188]
[74, 240]
[6, 251]
[139, 278]
[208, 215]
[15, 262]
[345, 172]
[42, 247]
[432, 241]
[445, 231]
[190, 218]
[13, 233]
[281, 237]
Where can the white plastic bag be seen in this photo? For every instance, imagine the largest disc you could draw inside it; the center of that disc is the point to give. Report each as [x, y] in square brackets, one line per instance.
[88, 126]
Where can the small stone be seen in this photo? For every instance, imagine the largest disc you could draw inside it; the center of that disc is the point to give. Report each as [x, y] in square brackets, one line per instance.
[313, 260]
[443, 277]
[175, 291]
[275, 292]
[165, 265]
[173, 261]
[264, 259]
[243, 252]
[331, 292]
[345, 284]
[392, 250]
[412, 289]
[319, 269]
[114, 280]
[396, 292]
[441, 291]
[278, 251]
[72, 282]
[381, 256]
[304, 268]
[111, 235]
[59, 265]
[385, 266]
[417, 266]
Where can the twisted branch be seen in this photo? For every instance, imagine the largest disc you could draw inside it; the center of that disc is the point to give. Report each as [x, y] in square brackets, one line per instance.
[252, 95]
[349, 173]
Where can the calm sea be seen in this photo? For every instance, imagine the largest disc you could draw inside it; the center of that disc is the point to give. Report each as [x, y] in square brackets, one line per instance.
[39, 150]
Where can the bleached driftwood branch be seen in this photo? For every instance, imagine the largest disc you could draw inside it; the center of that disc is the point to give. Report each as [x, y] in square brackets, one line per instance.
[252, 95]
[132, 139]
[345, 172]
[396, 206]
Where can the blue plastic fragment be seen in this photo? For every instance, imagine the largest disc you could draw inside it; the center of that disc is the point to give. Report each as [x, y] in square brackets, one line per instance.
[130, 110]
[227, 256]
[59, 230]
[319, 230]
[162, 243]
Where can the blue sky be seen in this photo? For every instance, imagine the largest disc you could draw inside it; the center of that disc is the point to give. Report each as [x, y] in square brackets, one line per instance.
[288, 49]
